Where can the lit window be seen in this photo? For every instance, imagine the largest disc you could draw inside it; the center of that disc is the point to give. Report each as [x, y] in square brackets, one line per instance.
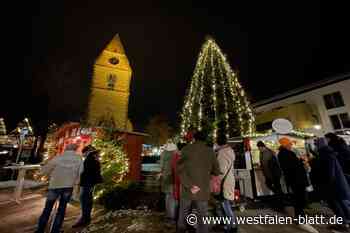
[263, 127]
[333, 100]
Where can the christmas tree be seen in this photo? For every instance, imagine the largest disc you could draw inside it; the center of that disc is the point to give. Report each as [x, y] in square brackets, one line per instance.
[216, 102]
[2, 127]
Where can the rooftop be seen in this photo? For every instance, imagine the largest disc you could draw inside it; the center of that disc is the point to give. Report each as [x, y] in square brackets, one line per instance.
[303, 89]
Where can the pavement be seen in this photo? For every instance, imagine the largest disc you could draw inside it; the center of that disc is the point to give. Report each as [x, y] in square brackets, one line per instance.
[23, 217]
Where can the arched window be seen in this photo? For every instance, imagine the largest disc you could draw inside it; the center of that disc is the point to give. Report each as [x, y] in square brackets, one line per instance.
[111, 80]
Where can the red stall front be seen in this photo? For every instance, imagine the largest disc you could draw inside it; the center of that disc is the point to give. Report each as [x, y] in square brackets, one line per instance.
[74, 133]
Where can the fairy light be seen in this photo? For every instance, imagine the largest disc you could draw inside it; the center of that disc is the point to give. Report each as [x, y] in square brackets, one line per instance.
[227, 128]
[292, 133]
[114, 164]
[213, 81]
[213, 74]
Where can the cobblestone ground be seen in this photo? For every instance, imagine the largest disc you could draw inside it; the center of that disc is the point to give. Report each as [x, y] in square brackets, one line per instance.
[22, 218]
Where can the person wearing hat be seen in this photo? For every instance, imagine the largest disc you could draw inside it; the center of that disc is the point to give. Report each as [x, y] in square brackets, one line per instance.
[90, 175]
[296, 178]
[167, 181]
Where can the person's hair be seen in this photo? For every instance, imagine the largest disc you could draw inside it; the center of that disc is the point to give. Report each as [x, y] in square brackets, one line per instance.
[260, 144]
[221, 139]
[87, 148]
[332, 136]
[180, 145]
[94, 153]
[71, 147]
[334, 139]
[199, 136]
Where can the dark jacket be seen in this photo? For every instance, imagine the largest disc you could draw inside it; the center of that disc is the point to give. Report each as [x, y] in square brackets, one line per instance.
[195, 167]
[330, 182]
[343, 155]
[292, 168]
[91, 174]
[270, 165]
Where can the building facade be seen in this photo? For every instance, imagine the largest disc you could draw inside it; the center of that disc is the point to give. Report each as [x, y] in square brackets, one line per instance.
[110, 88]
[317, 108]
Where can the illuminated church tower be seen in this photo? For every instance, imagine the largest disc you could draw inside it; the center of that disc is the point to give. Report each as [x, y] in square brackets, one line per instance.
[110, 88]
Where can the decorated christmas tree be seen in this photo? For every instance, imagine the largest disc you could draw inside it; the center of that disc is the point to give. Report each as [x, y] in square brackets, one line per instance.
[216, 102]
[114, 164]
[2, 127]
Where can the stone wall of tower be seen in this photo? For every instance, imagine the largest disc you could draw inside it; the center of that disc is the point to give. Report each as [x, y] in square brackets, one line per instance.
[109, 99]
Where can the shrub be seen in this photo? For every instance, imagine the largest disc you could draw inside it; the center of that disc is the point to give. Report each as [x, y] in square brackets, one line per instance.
[114, 164]
[130, 195]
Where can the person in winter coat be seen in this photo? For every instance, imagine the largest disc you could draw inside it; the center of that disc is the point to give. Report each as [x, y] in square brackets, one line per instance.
[332, 184]
[226, 160]
[64, 174]
[176, 179]
[167, 182]
[339, 145]
[90, 175]
[195, 167]
[270, 167]
[295, 177]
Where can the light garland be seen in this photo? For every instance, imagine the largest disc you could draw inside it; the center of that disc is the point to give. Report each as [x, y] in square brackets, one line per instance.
[114, 165]
[293, 133]
[214, 75]
[213, 80]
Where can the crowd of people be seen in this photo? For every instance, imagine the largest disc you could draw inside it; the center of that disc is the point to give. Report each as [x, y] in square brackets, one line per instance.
[324, 173]
[192, 173]
[68, 172]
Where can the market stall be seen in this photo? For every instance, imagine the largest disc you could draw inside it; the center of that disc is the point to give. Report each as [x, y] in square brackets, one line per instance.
[251, 180]
[73, 132]
[300, 145]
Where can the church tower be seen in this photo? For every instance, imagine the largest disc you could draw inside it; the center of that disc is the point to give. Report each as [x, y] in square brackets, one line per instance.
[110, 88]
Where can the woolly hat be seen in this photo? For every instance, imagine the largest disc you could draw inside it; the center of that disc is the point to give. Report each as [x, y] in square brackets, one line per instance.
[285, 141]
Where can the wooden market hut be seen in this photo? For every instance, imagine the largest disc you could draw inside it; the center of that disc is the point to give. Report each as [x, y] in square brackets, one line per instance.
[73, 132]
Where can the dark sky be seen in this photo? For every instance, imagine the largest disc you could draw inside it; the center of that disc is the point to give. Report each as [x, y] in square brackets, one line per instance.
[275, 46]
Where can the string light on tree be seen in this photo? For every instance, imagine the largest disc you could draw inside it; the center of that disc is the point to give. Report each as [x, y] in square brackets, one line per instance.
[216, 101]
[2, 127]
[114, 164]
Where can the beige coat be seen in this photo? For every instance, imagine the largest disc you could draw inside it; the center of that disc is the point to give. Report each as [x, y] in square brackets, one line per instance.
[226, 159]
[63, 170]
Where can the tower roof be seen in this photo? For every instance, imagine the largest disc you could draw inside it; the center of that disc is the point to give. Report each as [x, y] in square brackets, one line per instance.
[115, 45]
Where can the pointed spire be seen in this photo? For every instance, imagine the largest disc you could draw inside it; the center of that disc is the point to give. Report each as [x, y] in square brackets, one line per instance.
[115, 45]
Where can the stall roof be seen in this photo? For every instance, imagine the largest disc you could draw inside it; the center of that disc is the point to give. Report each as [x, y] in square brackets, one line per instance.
[70, 125]
[295, 134]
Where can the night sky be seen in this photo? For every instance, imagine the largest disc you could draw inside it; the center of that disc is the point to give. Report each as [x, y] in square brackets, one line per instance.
[274, 46]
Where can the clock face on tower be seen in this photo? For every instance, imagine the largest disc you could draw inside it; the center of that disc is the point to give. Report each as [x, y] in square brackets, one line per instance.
[113, 60]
